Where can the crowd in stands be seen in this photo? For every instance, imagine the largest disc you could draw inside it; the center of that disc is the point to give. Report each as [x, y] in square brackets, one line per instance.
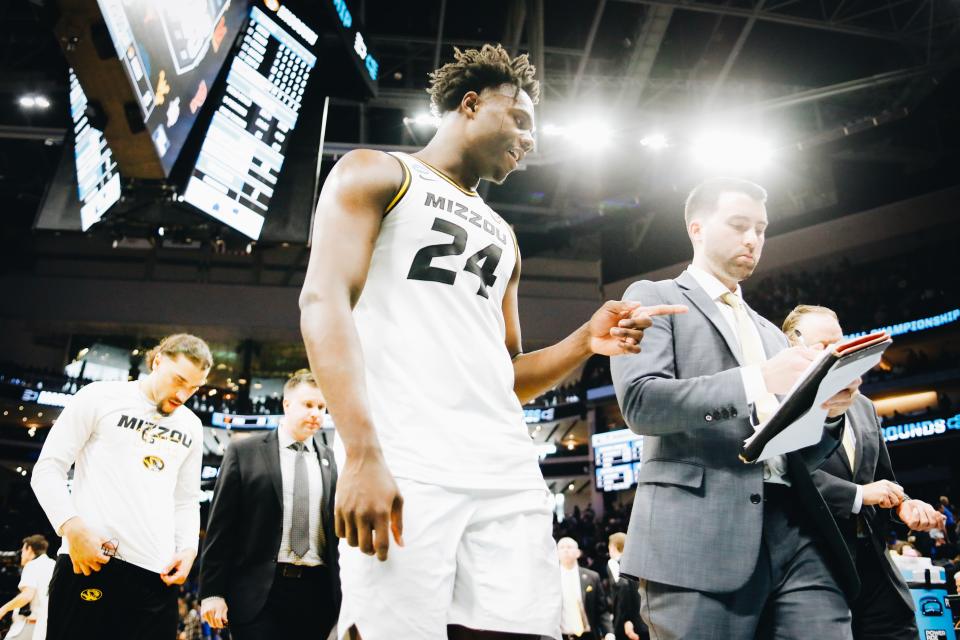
[221, 400]
[914, 363]
[909, 286]
[943, 409]
[39, 379]
[592, 533]
[228, 403]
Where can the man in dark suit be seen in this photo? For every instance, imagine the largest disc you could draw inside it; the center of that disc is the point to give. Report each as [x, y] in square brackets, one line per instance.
[726, 549]
[584, 610]
[270, 564]
[860, 489]
[623, 594]
[627, 623]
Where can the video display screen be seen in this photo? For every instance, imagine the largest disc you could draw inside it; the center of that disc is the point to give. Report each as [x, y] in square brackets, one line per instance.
[172, 52]
[239, 163]
[616, 459]
[98, 182]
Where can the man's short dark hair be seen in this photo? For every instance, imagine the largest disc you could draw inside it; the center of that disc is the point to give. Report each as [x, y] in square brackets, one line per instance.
[37, 543]
[479, 69]
[299, 377]
[704, 197]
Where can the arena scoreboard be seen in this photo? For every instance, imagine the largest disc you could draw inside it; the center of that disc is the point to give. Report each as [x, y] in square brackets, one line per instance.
[240, 161]
[616, 459]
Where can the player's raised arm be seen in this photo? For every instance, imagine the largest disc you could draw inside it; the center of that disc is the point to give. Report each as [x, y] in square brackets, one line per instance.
[349, 213]
[615, 328]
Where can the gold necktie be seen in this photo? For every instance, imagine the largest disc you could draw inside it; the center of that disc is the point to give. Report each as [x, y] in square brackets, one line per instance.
[753, 355]
[752, 351]
[849, 446]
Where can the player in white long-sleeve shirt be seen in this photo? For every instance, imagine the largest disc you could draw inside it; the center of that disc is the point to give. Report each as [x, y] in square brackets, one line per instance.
[130, 527]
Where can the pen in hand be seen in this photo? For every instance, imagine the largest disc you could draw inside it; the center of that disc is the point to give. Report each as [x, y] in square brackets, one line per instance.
[796, 332]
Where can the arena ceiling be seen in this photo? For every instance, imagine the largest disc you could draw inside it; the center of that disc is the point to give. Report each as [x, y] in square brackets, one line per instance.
[856, 99]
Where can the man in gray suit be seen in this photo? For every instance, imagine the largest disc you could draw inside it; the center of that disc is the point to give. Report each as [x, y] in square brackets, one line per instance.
[726, 550]
[858, 485]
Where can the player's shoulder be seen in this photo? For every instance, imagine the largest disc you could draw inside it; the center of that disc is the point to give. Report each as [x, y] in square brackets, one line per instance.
[367, 174]
[105, 389]
[370, 166]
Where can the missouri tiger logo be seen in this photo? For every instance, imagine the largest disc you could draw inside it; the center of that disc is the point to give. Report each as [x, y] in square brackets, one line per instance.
[153, 463]
[91, 595]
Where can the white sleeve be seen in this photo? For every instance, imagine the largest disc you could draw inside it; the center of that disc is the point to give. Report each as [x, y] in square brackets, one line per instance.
[186, 499]
[857, 501]
[30, 576]
[753, 384]
[67, 437]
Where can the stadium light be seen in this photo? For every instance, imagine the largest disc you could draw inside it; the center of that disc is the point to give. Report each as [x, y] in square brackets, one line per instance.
[423, 119]
[590, 134]
[34, 102]
[654, 142]
[552, 130]
[732, 151]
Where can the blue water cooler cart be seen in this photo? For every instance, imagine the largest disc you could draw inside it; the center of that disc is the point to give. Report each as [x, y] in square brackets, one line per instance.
[928, 586]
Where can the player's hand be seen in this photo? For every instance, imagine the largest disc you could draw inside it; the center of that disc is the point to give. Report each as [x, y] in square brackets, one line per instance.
[629, 632]
[179, 568]
[86, 548]
[368, 505]
[213, 610]
[782, 370]
[920, 516]
[617, 327]
[883, 494]
[838, 404]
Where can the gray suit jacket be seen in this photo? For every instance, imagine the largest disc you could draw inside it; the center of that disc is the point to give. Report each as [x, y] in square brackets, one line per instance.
[698, 515]
[837, 483]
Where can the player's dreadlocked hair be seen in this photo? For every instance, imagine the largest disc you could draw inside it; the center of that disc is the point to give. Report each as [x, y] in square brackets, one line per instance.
[476, 70]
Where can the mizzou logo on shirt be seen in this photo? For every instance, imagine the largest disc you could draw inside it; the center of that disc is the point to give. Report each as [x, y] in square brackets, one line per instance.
[151, 432]
[91, 595]
[153, 463]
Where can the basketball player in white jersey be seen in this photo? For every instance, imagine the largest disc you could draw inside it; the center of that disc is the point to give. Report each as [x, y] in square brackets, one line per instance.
[409, 315]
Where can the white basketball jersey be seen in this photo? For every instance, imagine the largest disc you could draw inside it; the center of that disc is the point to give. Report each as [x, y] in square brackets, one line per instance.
[439, 376]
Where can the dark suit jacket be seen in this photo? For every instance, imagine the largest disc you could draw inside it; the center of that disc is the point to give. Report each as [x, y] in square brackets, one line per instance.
[626, 607]
[684, 393]
[837, 483]
[595, 603]
[245, 526]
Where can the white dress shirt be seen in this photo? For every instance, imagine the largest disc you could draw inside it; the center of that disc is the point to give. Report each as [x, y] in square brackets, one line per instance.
[572, 618]
[614, 566]
[753, 384]
[288, 458]
[858, 499]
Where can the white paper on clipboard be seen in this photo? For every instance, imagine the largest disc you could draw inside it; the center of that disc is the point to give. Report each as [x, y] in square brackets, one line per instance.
[808, 429]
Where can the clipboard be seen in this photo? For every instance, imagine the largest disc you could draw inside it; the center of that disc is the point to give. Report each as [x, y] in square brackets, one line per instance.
[798, 421]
